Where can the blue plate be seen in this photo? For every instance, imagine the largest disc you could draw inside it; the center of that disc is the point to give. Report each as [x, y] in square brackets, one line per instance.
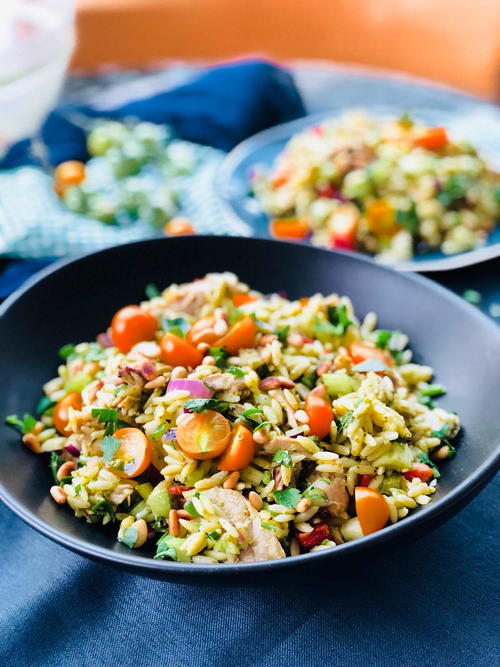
[478, 123]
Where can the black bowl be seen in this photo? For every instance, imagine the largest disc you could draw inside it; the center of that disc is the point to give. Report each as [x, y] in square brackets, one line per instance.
[75, 300]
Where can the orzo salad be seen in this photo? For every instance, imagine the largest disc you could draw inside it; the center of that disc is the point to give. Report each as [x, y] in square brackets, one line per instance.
[217, 424]
[391, 188]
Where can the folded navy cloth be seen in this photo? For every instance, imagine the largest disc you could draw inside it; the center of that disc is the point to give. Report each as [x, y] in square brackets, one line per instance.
[220, 108]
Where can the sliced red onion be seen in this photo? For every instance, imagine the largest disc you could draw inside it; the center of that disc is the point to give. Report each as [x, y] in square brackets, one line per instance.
[73, 450]
[104, 339]
[296, 435]
[196, 388]
[169, 435]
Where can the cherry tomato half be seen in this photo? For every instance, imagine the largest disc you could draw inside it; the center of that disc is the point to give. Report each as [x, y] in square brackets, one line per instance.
[371, 508]
[176, 351]
[240, 451]
[131, 325]
[202, 331]
[203, 435]
[134, 451]
[361, 352]
[320, 414]
[241, 335]
[60, 416]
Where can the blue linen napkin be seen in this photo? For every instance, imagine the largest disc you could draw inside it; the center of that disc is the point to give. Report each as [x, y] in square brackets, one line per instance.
[210, 114]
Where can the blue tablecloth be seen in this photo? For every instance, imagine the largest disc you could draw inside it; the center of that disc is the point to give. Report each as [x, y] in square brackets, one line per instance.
[430, 603]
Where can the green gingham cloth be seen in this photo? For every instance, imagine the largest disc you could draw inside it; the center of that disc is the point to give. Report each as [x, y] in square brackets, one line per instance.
[34, 223]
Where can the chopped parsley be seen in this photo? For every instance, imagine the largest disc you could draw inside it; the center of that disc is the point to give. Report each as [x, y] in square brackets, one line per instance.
[454, 190]
[344, 421]
[423, 458]
[189, 507]
[262, 425]
[152, 291]
[109, 416]
[375, 365]
[287, 497]
[442, 433]
[382, 338]
[54, 465]
[214, 535]
[204, 404]
[220, 355]
[104, 507]
[314, 494]
[159, 431]
[452, 450]
[263, 371]
[237, 372]
[282, 334]
[44, 404]
[109, 446]
[266, 477]
[78, 488]
[25, 425]
[338, 317]
[178, 326]
[282, 457]
[409, 219]
[129, 536]
[310, 378]
[66, 351]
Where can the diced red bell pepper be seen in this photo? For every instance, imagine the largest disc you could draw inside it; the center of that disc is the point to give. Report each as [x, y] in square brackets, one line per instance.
[343, 225]
[178, 489]
[316, 536]
[420, 470]
[327, 190]
[364, 480]
[432, 139]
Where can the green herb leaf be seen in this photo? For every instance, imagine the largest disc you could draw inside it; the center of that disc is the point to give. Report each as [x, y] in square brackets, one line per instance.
[266, 477]
[220, 355]
[310, 378]
[269, 526]
[25, 425]
[177, 326]
[382, 338]
[442, 433]
[54, 465]
[104, 507]
[453, 190]
[78, 488]
[44, 404]
[247, 414]
[427, 400]
[204, 404]
[452, 449]
[66, 351]
[152, 291]
[129, 536]
[282, 334]
[344, 421]
[433, 390]
[262, 425]
[237, 372]
[374, 365]
[409, 219]
[282, 457]
[109, 446]
[473, 297]
[423, 458]
[234, 315]
[105, 414]
[263, 371]
[189, 507]
[337, 315]
[159, 431]
[287, 497]
[214, 535]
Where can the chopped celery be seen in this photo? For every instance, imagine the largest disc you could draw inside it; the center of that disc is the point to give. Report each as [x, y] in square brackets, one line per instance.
[159, 500]
[197, 474]
[351, 530]
[172, 547]
[139, 508]
[76, 382]
[338, 384]
[144, 490]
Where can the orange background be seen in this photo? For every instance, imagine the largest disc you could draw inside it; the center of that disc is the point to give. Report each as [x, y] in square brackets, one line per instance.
[452, 41]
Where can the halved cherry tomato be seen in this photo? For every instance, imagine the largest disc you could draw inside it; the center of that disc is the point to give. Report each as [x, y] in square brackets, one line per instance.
[240, 451]
[432, 139]
[242, 298]
[343, 225]
[202, 332]
[329, 191]
[175, 351]
[178, 489]
[60, 415]
[361, 352]
[421, 471]
[203, 435]
[131, 325]
[320, 414]
[241, 335]
[364, 480]
[371, 509]
[289, 228]
[134, 451]
[67, 174]
[178, 227]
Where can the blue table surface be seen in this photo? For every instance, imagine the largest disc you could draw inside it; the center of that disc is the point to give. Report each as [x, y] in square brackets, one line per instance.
[431, 602]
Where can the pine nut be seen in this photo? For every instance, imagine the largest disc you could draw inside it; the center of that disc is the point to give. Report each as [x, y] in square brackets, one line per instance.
[208, 360]
[91, 368]
[255, 500]
[32, 442]
[303, 505]
[302, 417]
[65, 470]
[173, 523]
[220, 327]
[203, 347]
[261, 436]
[178, 373]
[295, 339]
[232, 480]
[142, 532]
[267, 339]
[37, 428]
[440, 453]
[58, 494]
